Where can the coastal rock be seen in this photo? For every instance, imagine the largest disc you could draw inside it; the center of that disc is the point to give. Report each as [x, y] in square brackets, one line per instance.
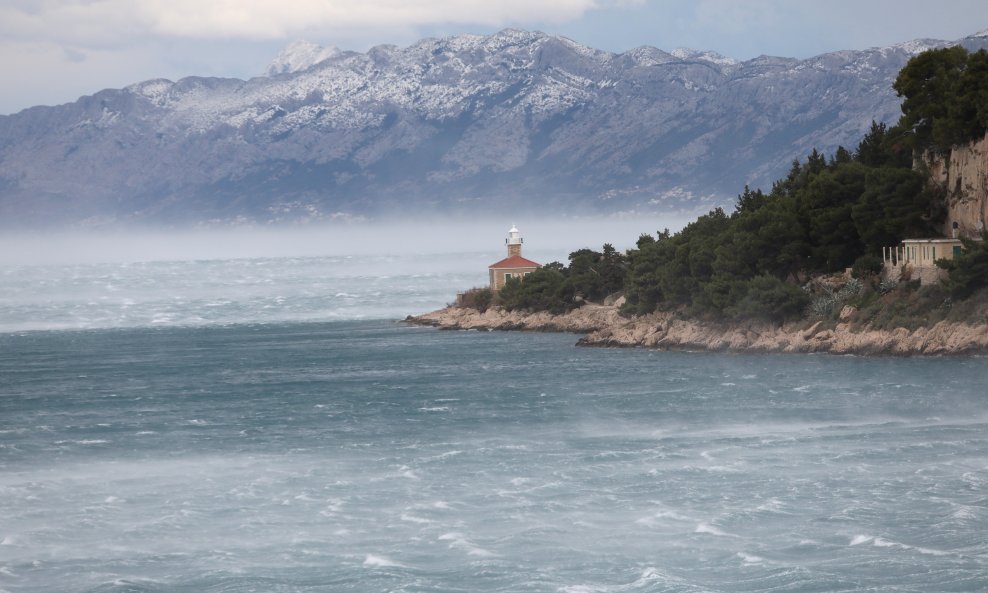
[604, 326]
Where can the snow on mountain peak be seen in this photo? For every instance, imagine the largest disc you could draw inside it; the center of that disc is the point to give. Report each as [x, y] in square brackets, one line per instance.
[685, 53]
[156, 89]
[298, 56]
[649, 56]
[918, 46]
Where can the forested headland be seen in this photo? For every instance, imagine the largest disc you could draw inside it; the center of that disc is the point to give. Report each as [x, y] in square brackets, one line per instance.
[769, 258]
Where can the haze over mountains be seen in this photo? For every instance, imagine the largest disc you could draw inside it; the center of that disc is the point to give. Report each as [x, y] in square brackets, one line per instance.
[516, 121]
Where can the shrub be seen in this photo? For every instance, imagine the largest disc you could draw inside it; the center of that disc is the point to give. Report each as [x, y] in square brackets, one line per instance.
[476, 298]
[866, 266]
[887, 286]
[831, 302]
[544, 289]
[969, 270]
[768, 297]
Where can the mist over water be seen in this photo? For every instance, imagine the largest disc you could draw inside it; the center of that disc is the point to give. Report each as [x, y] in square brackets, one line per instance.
[258, 421]
[220, 292]
[545, 237]
[211, 277]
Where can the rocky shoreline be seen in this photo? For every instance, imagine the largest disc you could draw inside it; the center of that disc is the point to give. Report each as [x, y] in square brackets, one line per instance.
[603, 326]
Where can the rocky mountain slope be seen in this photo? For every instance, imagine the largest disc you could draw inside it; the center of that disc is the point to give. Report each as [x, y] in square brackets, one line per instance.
[519, 120]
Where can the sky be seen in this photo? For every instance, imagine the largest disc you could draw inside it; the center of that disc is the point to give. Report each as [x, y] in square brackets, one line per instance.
[54, 51]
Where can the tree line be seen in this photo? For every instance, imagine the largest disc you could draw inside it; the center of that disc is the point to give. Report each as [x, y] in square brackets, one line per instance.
[825, 215]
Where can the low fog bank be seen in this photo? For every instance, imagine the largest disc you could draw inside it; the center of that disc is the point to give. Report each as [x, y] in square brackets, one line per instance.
[545, 240]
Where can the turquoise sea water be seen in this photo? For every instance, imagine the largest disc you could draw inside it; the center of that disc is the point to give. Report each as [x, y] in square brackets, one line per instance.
[201, 426]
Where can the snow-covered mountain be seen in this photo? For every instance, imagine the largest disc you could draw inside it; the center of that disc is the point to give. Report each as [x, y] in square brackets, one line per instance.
[468, 124]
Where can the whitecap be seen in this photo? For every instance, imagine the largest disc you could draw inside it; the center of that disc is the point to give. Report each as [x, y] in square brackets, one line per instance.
[447, 454]
[657, 518]
[884, 543]
[381, 562]
[964, 513]
[414, 519]
[860, 539]
[772, 504]
[711, 530]
[748, 559]
[929, 551]
[671, 515]
[458, 541]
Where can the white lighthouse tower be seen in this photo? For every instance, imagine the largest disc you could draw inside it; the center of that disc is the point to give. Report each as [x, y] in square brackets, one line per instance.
[514, 241]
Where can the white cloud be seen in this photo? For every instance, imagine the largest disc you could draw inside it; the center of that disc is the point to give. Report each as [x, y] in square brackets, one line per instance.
[50, 73]
[56, 50]
[98, 22]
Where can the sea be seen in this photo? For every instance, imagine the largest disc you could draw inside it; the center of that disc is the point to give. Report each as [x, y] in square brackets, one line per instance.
[269, 424]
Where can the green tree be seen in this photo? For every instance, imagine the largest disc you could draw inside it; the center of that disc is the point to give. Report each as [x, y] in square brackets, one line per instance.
[826, 205]
[775, 240]
[749, 201]
[928, 84]
[968, 271]
[767, 297]
[968, 111]
[872, 150]
[594, 275]
[646, 267]
[895, 205]
[544, 289]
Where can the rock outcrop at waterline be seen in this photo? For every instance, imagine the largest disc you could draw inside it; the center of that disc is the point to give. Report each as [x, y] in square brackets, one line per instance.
[603, 326]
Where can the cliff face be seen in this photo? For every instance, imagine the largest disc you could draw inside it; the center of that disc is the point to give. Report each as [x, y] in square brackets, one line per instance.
[964, 176]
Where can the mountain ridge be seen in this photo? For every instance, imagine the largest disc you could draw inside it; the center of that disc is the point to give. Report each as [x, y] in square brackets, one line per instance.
[516, 120]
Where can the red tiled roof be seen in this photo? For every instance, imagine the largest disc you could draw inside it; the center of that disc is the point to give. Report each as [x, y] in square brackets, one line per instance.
[515, 261]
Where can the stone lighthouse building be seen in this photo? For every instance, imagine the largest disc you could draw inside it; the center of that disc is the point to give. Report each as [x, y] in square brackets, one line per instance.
[513, 266]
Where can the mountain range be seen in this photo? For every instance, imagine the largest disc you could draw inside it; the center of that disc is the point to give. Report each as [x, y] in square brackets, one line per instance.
[517, 121]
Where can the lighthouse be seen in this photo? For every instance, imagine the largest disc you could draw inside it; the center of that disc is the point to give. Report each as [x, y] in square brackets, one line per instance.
[514, 241]
[513, 266]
